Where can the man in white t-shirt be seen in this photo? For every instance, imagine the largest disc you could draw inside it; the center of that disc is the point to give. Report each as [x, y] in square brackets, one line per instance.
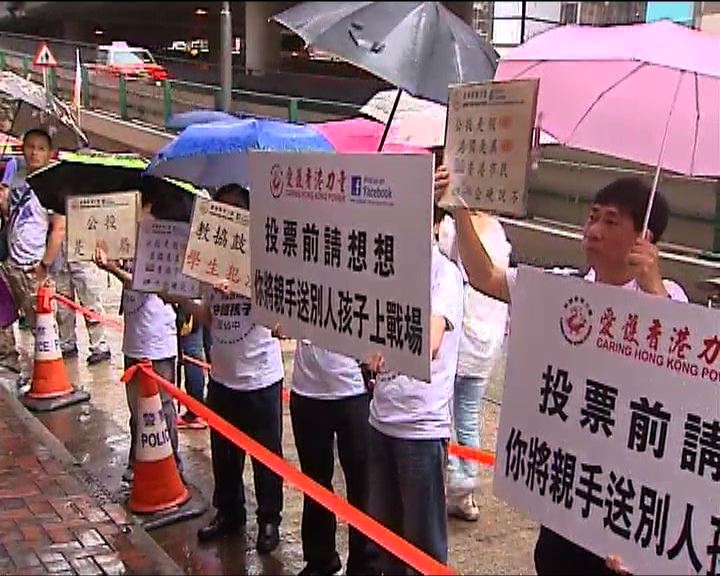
[149, 334]
[330, 404]
[617, 254]
[245, 388]
[411, 425]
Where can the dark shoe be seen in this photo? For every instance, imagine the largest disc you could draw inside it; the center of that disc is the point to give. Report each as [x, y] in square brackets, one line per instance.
[70, 353]
[329, 569]
[268, 538]
[98, 357]
[219, 526]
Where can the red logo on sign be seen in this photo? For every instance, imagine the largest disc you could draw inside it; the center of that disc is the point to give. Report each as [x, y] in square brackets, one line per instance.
[276, 181]
[576, 321]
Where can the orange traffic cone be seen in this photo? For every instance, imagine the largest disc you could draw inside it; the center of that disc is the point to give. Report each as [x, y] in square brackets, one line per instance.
[157, 485]
[50, 387]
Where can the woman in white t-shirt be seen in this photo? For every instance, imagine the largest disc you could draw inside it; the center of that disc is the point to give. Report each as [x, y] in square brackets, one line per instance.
[483, 333]
[245, 388]
[149, 334]
[330, 403]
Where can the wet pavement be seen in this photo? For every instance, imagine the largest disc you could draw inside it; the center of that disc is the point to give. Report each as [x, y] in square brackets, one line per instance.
[49, 521]
[96, 434]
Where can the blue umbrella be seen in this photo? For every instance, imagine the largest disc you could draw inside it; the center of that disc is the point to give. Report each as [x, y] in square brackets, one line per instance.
[212, 155]
[182, 120]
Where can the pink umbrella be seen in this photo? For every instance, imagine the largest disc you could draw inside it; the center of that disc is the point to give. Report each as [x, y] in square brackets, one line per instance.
[361, 135]
[417, 122]
[649, 93]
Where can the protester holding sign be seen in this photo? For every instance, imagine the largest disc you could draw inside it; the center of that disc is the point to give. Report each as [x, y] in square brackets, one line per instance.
[149, 334]
[617, 254]
[245, 388]
[483, 333]
[330, 403]
[411, 426]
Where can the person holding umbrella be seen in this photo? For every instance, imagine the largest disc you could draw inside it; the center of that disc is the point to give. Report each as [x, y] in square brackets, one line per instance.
[618, 252]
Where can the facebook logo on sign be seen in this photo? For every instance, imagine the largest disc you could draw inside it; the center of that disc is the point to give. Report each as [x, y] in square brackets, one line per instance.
[356, 185]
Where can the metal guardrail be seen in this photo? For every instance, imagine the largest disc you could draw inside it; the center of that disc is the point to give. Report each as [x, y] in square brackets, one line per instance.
[156, 104]
[182, 93]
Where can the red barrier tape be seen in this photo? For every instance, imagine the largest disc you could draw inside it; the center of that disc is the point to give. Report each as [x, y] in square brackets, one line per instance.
[89, 314]
[484, 457]
[340, 507]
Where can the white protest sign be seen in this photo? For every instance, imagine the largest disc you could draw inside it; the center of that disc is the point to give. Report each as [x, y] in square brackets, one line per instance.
[159, 258]
[487, 144]
[219, 246]
[610, 424]
[102, 220]
[341, 249]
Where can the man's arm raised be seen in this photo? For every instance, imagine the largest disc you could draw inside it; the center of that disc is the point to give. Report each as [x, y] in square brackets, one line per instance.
[482, 274]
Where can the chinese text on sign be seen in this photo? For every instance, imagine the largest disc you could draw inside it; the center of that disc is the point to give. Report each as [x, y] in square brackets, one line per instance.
[341, 252]
[108, 221]
[610, 427]
[488, 141]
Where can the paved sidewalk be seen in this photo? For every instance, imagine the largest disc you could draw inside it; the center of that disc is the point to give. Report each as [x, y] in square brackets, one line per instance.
[49, 521]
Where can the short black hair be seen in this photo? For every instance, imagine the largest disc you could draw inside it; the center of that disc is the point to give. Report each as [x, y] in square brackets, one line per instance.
[630, 195]
[239, 195]
[38, 132]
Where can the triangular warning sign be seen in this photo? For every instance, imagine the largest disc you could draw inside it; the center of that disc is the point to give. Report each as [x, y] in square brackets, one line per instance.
[44, 57]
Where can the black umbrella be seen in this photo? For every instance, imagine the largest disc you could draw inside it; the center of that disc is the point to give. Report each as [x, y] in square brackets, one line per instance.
[25, 105]
[80, 174]
[420, 47]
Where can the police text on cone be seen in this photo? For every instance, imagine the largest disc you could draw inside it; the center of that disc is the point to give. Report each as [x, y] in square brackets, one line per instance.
[157, 485]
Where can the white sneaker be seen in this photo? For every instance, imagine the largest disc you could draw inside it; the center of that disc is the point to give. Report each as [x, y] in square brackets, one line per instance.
[465, 509]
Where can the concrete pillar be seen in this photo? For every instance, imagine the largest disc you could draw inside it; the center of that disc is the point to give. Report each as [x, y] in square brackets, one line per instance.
[463, 10]
[225, 62]
[262, 38]
[214, 37]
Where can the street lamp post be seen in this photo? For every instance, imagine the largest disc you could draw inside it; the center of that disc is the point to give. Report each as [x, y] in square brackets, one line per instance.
[225, 57]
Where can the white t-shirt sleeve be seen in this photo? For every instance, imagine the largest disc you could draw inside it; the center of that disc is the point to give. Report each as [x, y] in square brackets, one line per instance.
[447, 294]
[511, 279]
[675, 291]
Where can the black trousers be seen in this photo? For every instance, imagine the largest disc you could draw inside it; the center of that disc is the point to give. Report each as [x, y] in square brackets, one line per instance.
[555, 555]
[258, 413]
[316, 424]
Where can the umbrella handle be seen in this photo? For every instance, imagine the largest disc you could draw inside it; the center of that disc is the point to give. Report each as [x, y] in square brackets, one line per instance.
[661, 155]
[390, 119]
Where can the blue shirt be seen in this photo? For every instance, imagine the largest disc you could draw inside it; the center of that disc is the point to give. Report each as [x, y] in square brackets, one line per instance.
[10, 170]
[29, 222]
